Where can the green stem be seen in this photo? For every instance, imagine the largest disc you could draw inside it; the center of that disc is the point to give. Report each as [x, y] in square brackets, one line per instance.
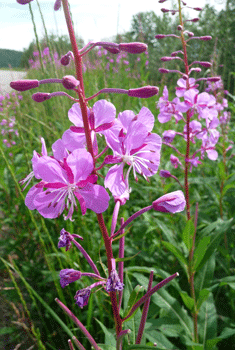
[36, 37]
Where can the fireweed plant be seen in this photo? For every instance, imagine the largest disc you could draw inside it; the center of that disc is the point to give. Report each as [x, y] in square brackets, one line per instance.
[79, 174]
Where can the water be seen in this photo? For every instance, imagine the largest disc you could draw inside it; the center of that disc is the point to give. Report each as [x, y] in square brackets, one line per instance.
[6, 76]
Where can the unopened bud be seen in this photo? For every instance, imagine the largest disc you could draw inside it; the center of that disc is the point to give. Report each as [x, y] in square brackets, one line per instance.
[205, 38]
[133, 47]
[190, 34]
[197, 8]
[160, 36]
[111, 49]
[70, 82]
[214, 79]
[205, 64]
[23, 85]
[165, 173]
[66, 58]
[163, 70]
[41, 96]
[194, 20]
[57, 5]
[23, 2]
[143, 92]
[161, 1]
[166, 59]
[179, 27]
[173, 202]
[165, 10]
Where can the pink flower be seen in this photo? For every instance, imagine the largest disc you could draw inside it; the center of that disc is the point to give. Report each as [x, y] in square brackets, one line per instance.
[64, 183]
[173, 202]
[138, 148]
[101, 117]
[182, 86]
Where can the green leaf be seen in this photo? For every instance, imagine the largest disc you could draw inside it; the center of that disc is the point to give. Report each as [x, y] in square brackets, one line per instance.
[6, 330]
[203, 295]
[207, 320]
[166, 325]
[205, 275]
[143, 347]
[221, 227]
[177, 253]
[133, 299]
[226, 333]
[106, 347]
[188, 301]
[126, 259]
[187, 234]
[200, 251]
[173, 309]
[109, 337]
[160, 339]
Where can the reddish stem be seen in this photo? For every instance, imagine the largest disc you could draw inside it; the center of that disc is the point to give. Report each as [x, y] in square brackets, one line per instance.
[83, 105]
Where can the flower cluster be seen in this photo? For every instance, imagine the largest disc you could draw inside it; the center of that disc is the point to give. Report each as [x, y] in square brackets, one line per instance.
[8, 104]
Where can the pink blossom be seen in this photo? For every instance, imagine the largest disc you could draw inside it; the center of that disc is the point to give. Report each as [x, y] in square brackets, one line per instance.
[101, 117]
[64, 183]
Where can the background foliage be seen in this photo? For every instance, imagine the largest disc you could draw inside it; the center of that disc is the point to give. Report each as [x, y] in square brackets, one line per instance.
[30, 257]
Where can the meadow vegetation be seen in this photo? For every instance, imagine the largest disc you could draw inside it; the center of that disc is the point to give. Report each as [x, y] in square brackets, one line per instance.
[161, 242]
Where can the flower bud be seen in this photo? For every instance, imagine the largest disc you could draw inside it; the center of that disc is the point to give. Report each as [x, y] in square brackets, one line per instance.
[194, 20]
[205, 38]
[163, 70]
[82, 296]
[70, 82]
[65, 60]
[179, 27]
[143, 92]
[164, 10]
[111, 49]
[168, 136]
[133, 47]
[160, 36]
[68, 276]
[197, 8]
[41, 96]
[173, 202]
[165, 173]
[213, 79]
[24, 84]
[23, 2]
[205, 64]
[57, 5]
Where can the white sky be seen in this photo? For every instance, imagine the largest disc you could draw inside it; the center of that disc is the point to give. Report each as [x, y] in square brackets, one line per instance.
[93, 19]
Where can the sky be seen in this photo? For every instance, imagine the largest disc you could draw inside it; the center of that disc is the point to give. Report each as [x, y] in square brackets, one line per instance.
[93, 20]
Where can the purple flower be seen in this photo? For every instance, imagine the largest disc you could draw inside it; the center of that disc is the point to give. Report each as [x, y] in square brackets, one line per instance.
[175, 161]
[68, 276]
[65, 182]
[173, 202]
[64, 240]
[138, 148]
[182, 86]
[197, 103]
[113, 282]
[101, 117]
[168, 136]
[82, 296]
[165, 173]
[168, 109]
